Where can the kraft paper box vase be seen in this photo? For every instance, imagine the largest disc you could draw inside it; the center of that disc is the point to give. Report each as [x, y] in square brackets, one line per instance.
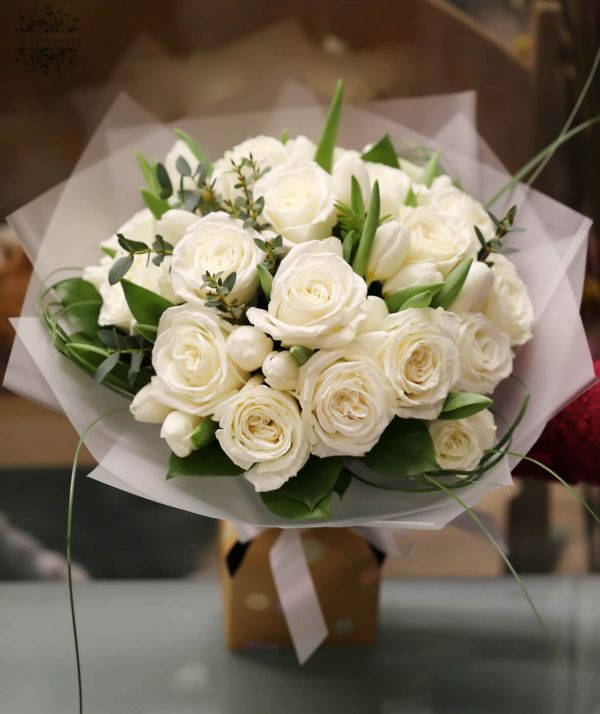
[346, 572]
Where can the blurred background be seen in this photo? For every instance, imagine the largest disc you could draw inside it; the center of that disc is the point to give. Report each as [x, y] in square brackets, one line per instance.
[527, 60]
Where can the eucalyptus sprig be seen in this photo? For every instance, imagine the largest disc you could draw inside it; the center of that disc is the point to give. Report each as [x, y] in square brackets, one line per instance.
[273, 250]
[244, 207]
[160, 249]
[218, 290]
[503, 227]
[118, 345]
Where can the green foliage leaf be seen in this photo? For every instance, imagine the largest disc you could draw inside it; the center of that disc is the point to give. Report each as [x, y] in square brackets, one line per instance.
[343, 482]
[148, 171]
[209, 461]
[411, 198]
[348, 245]
[119, 269]
[89, 356]
[204, 433]
[301, 354]
[383, 152]
[82, 302]
[193, 146]
[356, 197]
[453, 285]
[361, 259]
[266, 279]
[404, 449]
[286, 507]
[148, 332]
[324, 153]
[132, 246]
[111, 252]
[431, 169]
[419, 300]
[156, 205]
[146, 306]
[397, 301]
[459, 405]
[182, 166]
[164, 182]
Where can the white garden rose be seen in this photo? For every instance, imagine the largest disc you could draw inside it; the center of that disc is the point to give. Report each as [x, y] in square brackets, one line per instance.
[147, 408]
[300, 149]
[422, 272]
[248, 347]
[475, 290]
[348, 165]
[509, 305]
[298, 201]
[460, 443]
[420, 359]
[260, 429]
[317, 300]
[180, 148]
[346, 401]
[173, 224]
[194, 373]
[217, 243]
[438, 237]
[485, 354]
[450, 199]
[280, 369]
[115, 311]
[393, 187]
[177, 430]
[389, 250]
[266, 151]
[375, 313]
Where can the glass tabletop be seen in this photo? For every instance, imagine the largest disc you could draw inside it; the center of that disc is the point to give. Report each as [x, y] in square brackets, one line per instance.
[457, 646]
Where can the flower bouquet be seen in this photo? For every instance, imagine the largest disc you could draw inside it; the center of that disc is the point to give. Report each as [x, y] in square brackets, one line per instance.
[299, 334]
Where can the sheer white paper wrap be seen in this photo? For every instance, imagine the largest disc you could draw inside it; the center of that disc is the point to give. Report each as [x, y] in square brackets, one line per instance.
[65, 226]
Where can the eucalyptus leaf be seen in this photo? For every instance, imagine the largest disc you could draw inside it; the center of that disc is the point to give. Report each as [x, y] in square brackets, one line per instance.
[106, 366]
[361, 259]
[448, 293]
[164, 182]
[156, 205]
[209, 461]
[404, 449]
[148, 332]
[119, 269]
[131, 246]
[182, 166]
[383, 152]
[265, 278]
[135, 365]
[146, 306]
[396, 301]
[459, 405]
[326, 146]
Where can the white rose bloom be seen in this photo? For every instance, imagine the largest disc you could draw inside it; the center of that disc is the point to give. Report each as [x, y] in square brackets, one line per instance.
[180, 148]
[177, 430]
[414, 171]
[267, 153]
[420, 358]
[376, 311]
[114, 310]
[346, 402]
[459, 443]
[281, 370]
[174, 223]
[248, 347]
[300, 149]
[348, 165]
[485, 354]
[146, 407]
[194, 373]
[452, 200]
[509, 305]
[317, 300]
[298, 200]
[393, 187]
[476, 289]
[260, 429]
[423, 272]
[217, 243]
[389, 250]
[439, 237]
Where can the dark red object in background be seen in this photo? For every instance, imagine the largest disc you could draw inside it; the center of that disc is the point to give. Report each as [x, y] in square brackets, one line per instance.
[570, 443]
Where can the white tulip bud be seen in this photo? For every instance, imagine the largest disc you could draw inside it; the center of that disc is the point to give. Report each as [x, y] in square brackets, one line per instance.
[177, 430]
[376, 311]
[476, 289]
[145, 407]
[422, 272]
[281, 370]
[248, 346]
[349, 165]
[174, 223]
[388, 252]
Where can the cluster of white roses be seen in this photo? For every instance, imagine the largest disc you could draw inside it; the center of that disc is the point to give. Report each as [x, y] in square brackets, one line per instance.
[365, 365]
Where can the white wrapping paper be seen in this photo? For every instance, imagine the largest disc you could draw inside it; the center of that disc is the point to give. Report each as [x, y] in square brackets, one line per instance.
[64, 227]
